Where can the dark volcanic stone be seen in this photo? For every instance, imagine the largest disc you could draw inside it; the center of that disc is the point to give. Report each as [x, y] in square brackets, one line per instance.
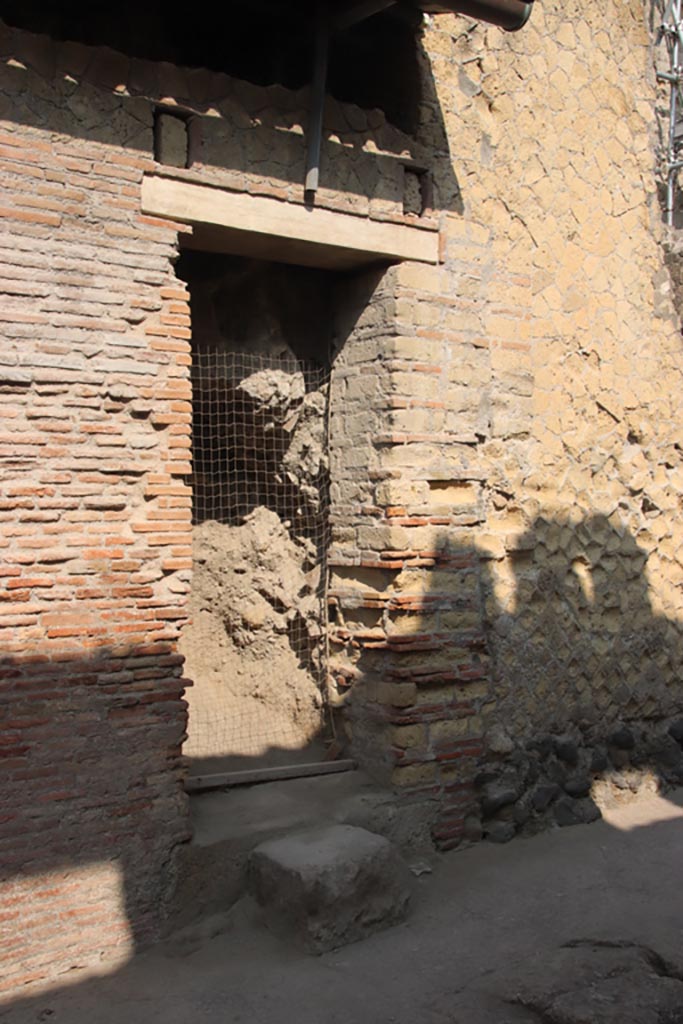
[588, 810]
[578, 785]
[674, 776]
[556, 772]
[497, 795]
[575, 812]
[676, 731]
[618, 757]
[499, 831]
[521, 813]
[599, 760]
[543, 745]
[543, 795]
[566, 749]
[622, 738]
[483, 778]
[666, 752]
[566, 812]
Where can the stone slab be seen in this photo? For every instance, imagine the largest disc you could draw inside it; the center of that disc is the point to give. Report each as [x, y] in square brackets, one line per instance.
[326, 887]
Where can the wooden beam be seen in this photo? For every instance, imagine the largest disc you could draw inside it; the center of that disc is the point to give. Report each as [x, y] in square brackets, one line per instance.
[316, 236]
[195, 783]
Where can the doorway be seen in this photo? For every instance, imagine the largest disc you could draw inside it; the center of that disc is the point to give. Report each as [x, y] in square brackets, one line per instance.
[256, 646]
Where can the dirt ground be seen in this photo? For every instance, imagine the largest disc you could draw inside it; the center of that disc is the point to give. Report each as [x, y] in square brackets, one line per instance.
[253, 601]
[581, 925]
[254, 645]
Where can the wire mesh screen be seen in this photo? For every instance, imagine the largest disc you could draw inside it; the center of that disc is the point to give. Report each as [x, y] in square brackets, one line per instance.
[256, 646]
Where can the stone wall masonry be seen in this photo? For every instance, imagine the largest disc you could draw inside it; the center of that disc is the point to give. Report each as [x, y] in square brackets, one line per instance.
[237, 135]
[584, 384]
[410, 660]
[532, 387]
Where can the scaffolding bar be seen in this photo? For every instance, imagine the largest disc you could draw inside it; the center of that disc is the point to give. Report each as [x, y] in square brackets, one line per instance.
[671, 30]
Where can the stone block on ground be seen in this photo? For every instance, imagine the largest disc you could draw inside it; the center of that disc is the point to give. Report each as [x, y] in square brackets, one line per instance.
[329, 886]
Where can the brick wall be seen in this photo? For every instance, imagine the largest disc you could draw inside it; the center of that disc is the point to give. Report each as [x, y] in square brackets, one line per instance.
[409, 648]
[95, 533]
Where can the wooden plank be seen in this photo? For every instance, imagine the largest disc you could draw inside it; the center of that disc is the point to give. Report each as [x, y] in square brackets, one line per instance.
[328, 233]
[251, 775]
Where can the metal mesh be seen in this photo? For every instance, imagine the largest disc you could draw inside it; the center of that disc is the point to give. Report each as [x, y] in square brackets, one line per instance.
[256, 648]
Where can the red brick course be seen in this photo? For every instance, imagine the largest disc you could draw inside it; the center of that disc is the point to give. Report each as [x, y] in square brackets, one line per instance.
[93, 387]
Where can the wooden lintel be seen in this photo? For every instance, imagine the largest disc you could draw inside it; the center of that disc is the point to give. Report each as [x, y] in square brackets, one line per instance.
[240, 223]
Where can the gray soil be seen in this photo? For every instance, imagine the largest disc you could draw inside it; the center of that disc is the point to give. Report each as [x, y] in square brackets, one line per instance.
[578, 925]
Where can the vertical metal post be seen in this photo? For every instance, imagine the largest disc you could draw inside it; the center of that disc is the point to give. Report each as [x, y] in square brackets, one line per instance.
[315, 128]
[362, 10]
[673, 111]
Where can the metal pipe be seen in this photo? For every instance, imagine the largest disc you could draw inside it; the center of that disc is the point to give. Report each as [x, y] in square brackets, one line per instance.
[315, 127]
[673, 111]
[508, 14]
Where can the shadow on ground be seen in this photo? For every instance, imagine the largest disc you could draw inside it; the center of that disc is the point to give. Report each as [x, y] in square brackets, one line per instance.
[622, 653]
[567, 927]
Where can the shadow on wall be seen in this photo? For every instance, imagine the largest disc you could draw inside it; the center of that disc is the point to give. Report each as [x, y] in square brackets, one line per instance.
[231, 133]
[586, 677]
[570, 694]
[583, 691]
[93, 814]
[372, 64]
[575, 627]
[92, 805]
